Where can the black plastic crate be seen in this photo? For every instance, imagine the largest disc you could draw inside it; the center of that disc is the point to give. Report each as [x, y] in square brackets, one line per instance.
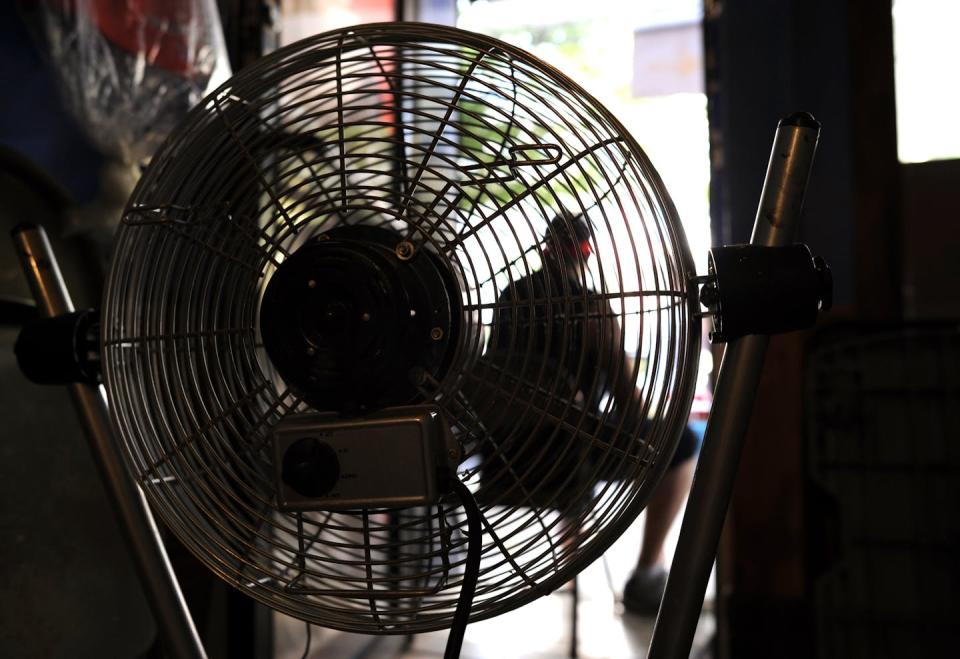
[882, 505]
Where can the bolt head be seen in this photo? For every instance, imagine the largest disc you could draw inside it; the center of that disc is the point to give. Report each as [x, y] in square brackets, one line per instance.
[709, 295]
[405, 250]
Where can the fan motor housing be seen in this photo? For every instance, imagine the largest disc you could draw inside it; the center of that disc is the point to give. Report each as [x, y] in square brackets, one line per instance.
[354, 322]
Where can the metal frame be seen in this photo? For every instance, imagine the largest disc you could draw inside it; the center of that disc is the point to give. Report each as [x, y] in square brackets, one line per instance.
[781, 200]
[136, 521]
[776, 224]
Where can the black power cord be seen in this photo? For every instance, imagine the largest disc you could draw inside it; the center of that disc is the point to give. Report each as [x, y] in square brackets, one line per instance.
[306, 649]
[471, 571]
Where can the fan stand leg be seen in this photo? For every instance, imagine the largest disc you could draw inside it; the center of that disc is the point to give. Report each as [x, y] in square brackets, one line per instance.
[136, 521]
[574, 611]
[777, 218]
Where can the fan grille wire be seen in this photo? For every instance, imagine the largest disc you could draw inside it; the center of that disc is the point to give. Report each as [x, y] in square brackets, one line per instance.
[467, 147]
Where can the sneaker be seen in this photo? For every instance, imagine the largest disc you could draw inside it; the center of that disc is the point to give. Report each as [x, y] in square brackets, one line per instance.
[644, 590]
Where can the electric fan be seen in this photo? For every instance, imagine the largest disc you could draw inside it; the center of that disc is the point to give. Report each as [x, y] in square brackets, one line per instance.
[321, 344]
[323, 244]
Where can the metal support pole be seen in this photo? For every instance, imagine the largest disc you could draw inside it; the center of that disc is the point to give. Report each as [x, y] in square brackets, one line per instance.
[156, 574]
[574, 618]
[791, 158]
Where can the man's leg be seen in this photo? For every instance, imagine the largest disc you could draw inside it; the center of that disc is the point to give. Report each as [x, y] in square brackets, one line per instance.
[644, 589]
[662, 509]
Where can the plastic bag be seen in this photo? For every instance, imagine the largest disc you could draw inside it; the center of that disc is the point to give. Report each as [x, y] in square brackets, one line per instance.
[131, 69]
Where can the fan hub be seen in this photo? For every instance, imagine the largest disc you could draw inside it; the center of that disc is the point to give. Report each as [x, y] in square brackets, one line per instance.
[352, 327]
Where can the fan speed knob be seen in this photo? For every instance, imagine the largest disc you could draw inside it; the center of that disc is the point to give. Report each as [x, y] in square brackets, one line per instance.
[311, 467]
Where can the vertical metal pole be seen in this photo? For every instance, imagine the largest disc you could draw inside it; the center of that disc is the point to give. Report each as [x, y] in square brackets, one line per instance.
[791, 158]
[574, 619]
[156, 574]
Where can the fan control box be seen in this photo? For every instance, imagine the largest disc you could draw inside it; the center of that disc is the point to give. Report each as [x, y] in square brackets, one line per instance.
[397, 457]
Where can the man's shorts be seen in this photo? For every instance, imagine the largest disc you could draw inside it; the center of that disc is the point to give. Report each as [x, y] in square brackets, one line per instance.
[689, 445]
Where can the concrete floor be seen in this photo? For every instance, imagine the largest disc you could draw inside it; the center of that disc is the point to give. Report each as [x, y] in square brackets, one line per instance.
[540, 630]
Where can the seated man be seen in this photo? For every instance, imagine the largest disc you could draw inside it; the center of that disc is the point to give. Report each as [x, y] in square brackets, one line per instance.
[569, 337]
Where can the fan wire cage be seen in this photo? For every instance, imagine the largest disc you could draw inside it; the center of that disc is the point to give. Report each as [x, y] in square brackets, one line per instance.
[565, 379]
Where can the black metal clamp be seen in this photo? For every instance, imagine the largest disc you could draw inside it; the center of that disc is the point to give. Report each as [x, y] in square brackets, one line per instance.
[759, 289]
[61, 349]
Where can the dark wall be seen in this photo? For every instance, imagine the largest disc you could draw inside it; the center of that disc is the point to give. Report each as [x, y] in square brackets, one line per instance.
[931, 239]
[765, 61]
[888, 231]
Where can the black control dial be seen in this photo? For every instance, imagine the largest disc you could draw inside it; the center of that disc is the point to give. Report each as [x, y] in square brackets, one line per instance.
[310, 467]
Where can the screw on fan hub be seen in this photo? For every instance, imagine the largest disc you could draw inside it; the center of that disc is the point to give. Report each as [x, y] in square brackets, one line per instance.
[345, 321]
